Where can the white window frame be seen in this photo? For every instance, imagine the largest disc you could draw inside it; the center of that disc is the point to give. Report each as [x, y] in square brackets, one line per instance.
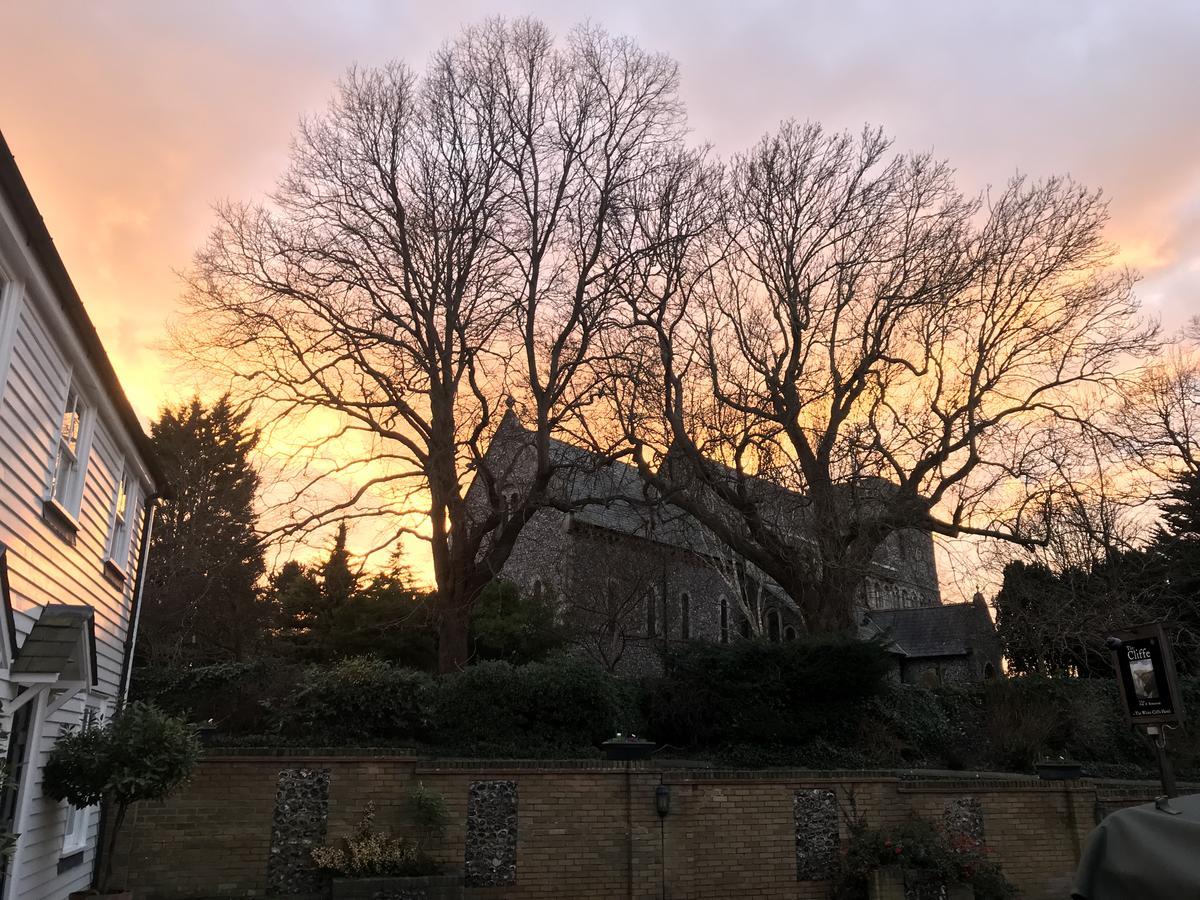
[77, 823]
[69, 499]
[10, 308]
[120, 524]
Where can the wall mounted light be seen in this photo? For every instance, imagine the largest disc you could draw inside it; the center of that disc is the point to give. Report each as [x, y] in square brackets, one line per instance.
[662, 800]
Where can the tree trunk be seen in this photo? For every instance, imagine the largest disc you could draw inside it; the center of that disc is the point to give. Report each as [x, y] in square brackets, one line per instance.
[454, 628]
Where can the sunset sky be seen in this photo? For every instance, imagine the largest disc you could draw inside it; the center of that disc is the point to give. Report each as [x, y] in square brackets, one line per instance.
[129, 119]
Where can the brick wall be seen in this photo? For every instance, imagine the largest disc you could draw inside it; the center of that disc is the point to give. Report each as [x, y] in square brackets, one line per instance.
[590, 830]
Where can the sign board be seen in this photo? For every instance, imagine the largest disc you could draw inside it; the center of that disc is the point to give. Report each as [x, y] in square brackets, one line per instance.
[1146, 674]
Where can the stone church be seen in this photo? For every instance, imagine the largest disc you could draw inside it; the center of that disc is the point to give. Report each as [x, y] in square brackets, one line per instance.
[630, 575]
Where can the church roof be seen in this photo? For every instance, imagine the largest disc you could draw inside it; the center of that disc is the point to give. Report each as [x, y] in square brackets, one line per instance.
[624, 503]
[951, 629]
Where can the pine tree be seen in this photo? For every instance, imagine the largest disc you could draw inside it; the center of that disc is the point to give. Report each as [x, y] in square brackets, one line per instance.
[201, 601]
[338, 582]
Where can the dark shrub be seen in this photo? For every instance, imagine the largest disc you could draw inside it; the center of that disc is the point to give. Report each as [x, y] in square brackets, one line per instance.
[916, 845]
[359, 697]
[754, 692]
[565, 705]
[234, 696]
[512, 628]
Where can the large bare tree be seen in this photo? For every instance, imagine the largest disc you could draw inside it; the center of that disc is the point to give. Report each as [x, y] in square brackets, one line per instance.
[855, 330]
[440, 245]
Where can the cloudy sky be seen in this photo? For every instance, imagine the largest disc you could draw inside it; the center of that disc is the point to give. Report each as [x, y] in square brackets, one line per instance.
[129, 119]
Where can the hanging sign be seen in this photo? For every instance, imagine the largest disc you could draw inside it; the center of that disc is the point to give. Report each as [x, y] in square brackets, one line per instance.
[1146, 675]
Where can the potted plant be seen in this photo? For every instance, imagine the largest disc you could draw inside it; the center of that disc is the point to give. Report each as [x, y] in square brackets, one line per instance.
[915, 860]
[371, 863]
[140, 753]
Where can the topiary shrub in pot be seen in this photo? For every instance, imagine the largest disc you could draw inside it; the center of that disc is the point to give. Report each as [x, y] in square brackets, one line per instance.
[140, 753]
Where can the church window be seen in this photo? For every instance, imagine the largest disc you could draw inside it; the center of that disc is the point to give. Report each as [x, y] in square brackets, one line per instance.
[773, 626]
[789, 633]
[724, 621]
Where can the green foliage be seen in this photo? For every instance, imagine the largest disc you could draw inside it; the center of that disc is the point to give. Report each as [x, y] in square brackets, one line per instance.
[233, 696]
[359, 697]
[141, 753]
[755, 692]
[916, 845]
[201, 601]
[368, 852]
[516, 629]
[429, 813]
[325, 614]
[565, 705]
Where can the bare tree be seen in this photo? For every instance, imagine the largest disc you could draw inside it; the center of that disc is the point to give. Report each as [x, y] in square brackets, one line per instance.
[1161, 416]
[439, 243]
[606, 621]
[889, 352]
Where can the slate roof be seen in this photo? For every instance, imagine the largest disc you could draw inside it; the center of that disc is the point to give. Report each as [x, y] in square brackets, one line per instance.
[52, 646]
[628, 504]
[925, 631]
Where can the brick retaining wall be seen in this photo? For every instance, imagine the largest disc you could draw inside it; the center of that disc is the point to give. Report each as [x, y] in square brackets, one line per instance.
[243, 826]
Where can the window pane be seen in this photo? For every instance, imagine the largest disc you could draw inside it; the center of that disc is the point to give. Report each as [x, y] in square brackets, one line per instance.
[64, 467]
[70, 423]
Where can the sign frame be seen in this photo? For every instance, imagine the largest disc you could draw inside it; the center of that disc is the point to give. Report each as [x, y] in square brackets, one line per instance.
[1145, 650]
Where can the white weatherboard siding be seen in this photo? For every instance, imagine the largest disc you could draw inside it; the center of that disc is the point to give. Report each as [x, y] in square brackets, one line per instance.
[40, 357]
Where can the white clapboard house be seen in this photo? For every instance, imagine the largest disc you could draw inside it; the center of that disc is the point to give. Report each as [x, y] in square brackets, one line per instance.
[77, 489]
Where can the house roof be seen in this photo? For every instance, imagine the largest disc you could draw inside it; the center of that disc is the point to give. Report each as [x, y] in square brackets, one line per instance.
[13, 186]
[945, 630]
[62, 642]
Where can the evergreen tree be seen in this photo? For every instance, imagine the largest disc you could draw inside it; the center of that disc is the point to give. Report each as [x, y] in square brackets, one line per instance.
[201, 601]
[338, 582]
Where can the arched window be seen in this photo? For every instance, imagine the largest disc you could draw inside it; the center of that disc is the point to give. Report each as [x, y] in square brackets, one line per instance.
[773, 626]
[789, 633]
[989, 671]
[685, 615]
[744, 626]
[539, 590]
[724, 621]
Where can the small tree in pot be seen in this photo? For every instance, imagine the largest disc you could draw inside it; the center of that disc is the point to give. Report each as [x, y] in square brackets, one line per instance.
[141, 753]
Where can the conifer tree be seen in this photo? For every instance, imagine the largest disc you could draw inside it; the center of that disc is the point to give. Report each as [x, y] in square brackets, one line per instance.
[201, 601]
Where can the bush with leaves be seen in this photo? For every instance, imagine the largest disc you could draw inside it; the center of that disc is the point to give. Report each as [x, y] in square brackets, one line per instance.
[916, 845]
[368, 852]
[755, 692]
[141, 753]
[508, 626]
[360, 697]
[566, 706]
[234, 696]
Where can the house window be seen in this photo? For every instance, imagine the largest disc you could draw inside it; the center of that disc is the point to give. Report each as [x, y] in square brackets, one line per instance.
[724, 621]
[78, 821]
[66, 478]
[122, 525]
[685, 616]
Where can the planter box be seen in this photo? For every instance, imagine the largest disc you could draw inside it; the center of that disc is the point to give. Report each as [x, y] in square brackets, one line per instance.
[426, 887]
[895, 883]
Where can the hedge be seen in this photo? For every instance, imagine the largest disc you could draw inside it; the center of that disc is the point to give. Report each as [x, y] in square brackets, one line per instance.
[814, 704]
[759, 693]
